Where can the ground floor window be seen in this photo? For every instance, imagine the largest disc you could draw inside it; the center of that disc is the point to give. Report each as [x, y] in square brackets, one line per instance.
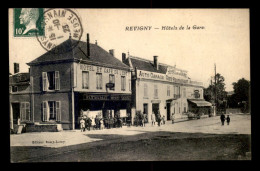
[25, 111]
[51, 110]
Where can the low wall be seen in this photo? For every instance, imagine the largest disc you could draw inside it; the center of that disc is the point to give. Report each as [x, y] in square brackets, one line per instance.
[233, 110]
[43, 128]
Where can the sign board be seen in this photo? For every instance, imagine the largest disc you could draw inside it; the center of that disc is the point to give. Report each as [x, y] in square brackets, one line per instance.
[107, 97]
[99, 69]
[172, 71]
[110, 85]
[173, 78]
[123, 113]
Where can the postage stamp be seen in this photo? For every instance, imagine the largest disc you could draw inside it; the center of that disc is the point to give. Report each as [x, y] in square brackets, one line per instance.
[28, 22]
[60, 25]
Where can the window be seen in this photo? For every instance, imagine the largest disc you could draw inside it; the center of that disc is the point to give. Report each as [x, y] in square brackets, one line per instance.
[25, 111]
[176, 91]
[168, 91]
[85, 79]
[184, 109]
[14, 88]
[130, 84]
[145, 90]
[155, 91]
[51, 110]
[184, 92]
[99, 80]
[112, 80]
[123, 83]
[50, 80]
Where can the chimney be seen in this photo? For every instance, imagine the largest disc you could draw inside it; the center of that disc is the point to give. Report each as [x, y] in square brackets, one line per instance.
[16, 68]
[155, 61]
[88, 49]
[123, 57]
[111, 51]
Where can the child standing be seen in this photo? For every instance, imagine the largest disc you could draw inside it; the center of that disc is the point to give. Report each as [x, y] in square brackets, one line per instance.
[173, 117]
[228, 119]
[82, 124]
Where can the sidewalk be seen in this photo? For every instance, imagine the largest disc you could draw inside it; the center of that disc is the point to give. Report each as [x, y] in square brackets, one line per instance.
[240, 124]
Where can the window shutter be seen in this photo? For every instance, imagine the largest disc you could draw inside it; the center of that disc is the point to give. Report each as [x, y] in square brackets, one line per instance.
[44, 81]
[27, 111]
[22, 111]
[58, 111]
[44, 111]
[57, 80]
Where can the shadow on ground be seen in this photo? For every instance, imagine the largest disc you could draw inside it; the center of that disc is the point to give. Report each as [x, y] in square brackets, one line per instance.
[147, 146]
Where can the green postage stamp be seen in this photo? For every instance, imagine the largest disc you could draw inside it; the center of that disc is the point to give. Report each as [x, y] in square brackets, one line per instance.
[28, 22]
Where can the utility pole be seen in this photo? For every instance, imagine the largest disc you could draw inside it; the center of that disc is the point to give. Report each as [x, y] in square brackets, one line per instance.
[215, 88]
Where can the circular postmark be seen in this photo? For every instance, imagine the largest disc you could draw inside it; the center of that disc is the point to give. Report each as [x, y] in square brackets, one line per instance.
[60, 25]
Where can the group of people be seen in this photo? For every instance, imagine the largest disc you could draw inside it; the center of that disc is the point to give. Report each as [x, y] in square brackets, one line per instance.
[86, 122]
[223, 118]
[160, 119]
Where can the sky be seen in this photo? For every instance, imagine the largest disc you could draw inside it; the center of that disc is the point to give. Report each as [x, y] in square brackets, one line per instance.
[224, 39]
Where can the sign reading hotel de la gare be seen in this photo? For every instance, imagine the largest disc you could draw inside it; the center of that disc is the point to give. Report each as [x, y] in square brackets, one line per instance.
[85, 67]
[170, 76]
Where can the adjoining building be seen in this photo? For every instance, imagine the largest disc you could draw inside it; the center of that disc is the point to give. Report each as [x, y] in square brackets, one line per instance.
[20, 97]
[85, 78]
[160, 87]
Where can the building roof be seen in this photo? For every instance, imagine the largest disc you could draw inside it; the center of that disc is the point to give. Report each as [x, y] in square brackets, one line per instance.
[19, 78]
[147, 65]
[97, 56]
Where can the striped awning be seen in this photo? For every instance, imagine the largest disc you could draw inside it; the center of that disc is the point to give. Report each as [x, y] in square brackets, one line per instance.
[200, 102]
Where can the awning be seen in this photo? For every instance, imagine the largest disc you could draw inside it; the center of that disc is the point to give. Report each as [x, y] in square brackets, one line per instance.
[200, 102]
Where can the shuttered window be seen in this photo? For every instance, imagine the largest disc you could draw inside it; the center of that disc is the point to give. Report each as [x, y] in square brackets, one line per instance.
[44, 81]
[155, 91]
[45, 111]
[145, 90]
[50, 81]
[168, 91]
[99, 80]
[123, 83]
[51, 110]
[57, 80]
[58, 111]
[85, 79]
[112, 80]
[25, 111]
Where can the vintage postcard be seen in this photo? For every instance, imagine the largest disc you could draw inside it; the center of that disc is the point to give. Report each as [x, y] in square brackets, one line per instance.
[129, 84]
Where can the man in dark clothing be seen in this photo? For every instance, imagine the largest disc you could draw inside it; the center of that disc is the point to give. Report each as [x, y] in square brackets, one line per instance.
[222, 118]
[228, 119]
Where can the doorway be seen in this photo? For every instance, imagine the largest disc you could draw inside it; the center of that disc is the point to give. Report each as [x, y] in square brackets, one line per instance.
[16, 112]
[155, 108]
[168, 111]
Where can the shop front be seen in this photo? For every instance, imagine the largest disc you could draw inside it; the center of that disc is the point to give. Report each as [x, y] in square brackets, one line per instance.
[103, 103]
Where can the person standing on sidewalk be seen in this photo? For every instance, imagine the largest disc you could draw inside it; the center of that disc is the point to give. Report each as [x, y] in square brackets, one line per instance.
[82, 124]
[228, 119]
[163, 119]
[222, 118]
[173, 117]
[153, 118]
[143, 119]
[159, 118]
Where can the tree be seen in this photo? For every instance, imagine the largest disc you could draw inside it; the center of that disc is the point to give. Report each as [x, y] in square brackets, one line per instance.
[241, 90]
[216, 91]
[241, 93]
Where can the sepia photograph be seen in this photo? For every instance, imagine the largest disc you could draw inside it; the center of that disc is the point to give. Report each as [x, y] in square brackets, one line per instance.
[106, 85]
